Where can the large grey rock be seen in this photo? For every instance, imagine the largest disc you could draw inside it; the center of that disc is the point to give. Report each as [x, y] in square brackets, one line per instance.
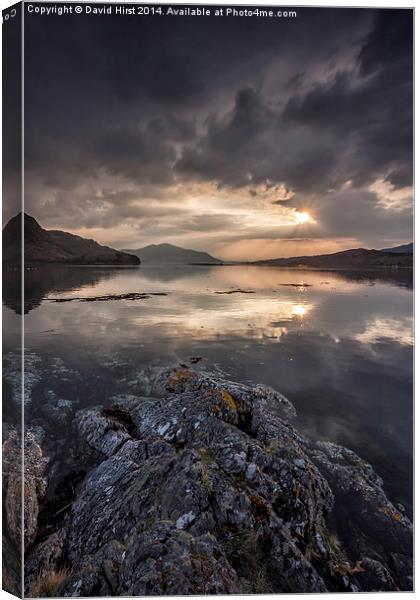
[102, 433]
[205, 487]
[55, 409]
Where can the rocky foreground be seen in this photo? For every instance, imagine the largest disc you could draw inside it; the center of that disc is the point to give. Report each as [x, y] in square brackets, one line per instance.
[199, 485]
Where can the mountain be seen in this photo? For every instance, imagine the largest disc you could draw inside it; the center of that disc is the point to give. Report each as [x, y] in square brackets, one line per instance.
[50, 246]
[169, 254]
[404, 249]
[359, 258]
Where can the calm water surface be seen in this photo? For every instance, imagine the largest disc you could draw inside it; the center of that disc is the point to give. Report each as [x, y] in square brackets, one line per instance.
[338, 345]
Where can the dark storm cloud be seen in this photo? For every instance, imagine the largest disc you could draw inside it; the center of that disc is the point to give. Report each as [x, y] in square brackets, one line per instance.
[402, 175]
[356, 126]
[254, 144]
[150, 103]
[390, 43]
[87, 76]
[372, 106]
[209, 223]
[142, 152]
[135, 154]
[107, 211]
[235, 148]
[291, 202]
[350, 211]
[176, 61]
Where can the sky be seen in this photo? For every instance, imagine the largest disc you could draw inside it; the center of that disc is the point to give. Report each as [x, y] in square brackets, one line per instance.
[248, 138]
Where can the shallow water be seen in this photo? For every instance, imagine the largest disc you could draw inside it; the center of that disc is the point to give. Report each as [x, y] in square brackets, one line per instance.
[338, 345]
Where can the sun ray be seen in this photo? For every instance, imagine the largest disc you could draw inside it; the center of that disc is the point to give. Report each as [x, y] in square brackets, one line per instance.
[302, 217]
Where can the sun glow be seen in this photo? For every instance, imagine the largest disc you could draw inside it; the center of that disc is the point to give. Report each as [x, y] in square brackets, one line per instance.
[302, 217]
[299, 310]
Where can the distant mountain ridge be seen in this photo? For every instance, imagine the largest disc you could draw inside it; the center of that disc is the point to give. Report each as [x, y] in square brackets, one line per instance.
[170, 254]
[404, 249]
[359, 258]
[51, 246]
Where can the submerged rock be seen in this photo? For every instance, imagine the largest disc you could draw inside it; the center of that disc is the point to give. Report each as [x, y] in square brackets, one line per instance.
[12, 373]
[203, 486]
[59, 370]
[54, 408]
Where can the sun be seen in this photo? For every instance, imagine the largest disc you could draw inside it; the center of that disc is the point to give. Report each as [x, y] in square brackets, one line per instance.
[302, 217]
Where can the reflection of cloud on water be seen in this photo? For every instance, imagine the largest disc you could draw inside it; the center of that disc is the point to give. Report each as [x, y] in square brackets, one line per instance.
[396, 330]
[253, 318]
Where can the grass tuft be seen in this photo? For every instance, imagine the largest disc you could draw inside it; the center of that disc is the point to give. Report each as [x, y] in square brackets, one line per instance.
[47, 586]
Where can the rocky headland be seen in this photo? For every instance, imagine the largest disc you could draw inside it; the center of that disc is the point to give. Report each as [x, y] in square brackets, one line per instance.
[46, 247]
[194, 484]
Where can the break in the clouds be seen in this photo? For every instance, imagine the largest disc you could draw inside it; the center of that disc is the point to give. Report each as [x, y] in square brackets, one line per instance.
[214, 132]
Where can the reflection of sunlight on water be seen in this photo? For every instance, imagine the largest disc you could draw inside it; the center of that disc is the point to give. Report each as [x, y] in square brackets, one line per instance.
[263, 278]
[396, 330]
[284, 301]
[299, 310]
[255, 318]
